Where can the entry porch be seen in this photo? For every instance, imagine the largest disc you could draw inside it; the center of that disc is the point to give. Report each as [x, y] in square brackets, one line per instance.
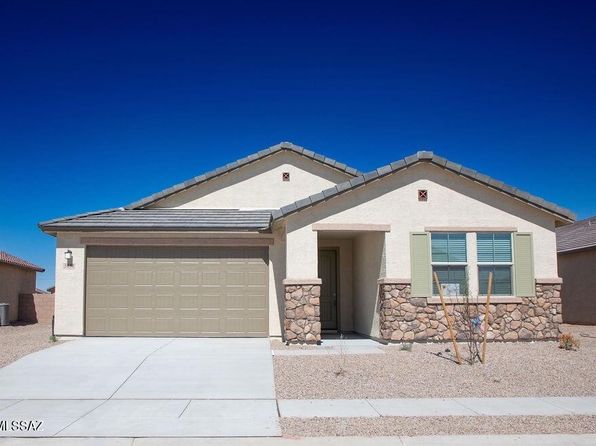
[344, 296]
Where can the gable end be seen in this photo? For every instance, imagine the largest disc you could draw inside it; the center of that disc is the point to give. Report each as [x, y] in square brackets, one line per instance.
[230, 167]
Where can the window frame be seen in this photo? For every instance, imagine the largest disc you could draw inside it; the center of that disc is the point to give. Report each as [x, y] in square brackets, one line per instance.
[510, 264]
[433, 263]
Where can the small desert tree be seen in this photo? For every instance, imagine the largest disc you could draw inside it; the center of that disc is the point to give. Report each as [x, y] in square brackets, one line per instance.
[468, 321]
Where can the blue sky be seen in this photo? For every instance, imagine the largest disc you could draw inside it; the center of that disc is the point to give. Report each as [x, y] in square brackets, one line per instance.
[106, 102]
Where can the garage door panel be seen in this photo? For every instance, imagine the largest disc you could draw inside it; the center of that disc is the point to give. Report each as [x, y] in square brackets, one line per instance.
[98, 323]
[211, 326]
[255, 324]
[97, 300]
[256, 278]
[164, 301]
[117, 301]
[234, 302]
[256, 301]
[176, 291]
[189, 302]
[164, 277]
[141, 301]
[190, 278]
[118, 324]
[210, 278]
[142, 277]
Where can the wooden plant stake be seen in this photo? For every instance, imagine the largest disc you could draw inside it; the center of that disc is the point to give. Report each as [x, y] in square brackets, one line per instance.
[455, 347]
[486, 311]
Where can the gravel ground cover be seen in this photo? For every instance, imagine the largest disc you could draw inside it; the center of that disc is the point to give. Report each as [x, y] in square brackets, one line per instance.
[19, 340]
[414, 426]
[512, 369]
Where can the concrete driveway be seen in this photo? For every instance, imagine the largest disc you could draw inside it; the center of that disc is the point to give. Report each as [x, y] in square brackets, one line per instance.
[136, 387]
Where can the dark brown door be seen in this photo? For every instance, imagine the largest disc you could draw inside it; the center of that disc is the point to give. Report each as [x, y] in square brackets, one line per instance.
[328, 274]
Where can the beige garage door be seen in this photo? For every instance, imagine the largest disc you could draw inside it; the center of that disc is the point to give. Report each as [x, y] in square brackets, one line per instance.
[176, 291]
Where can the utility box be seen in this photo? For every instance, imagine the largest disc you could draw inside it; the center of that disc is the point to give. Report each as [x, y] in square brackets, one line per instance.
[4, 314]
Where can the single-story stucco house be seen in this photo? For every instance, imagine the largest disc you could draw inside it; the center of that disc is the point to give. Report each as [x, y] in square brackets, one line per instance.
[289, 243]
[576, 245]
[17, 277]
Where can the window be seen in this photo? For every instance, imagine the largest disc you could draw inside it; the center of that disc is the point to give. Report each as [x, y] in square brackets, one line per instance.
[449, 260]
[285, 176]
[422, 195]
[495, 255]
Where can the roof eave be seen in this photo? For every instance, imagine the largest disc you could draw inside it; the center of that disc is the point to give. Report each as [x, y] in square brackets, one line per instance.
[53, 230]
[576, 249]
[46, 226]
[562, 215]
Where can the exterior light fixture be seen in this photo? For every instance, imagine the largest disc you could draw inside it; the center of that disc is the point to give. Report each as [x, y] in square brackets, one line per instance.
[68, 257]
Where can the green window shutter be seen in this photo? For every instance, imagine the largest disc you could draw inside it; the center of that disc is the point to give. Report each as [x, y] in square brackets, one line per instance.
[420, 261]
[524, 265]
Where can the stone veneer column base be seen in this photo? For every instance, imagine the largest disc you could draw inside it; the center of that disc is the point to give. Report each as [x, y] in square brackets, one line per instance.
[406, 318]
[302, 322]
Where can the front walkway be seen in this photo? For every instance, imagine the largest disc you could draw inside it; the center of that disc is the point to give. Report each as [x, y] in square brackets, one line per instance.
[438, 407]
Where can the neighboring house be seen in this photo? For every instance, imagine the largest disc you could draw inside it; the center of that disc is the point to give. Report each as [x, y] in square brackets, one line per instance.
[576, 245]
[287, 242]
[17, 276]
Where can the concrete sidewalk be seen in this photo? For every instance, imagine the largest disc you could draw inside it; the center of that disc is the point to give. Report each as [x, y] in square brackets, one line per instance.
[432, 407]
[439, 440]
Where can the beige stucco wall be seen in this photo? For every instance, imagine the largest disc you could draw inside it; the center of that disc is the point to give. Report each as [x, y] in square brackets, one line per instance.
[70, 287]
[345, 280]
[368, 268]
[277, 273]
[260, 185]
[14, 281]
[453, 202]
[578, 293]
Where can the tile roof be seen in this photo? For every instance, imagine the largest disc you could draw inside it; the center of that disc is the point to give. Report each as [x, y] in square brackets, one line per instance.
[579, 235]
[563, 214]
[288, 146]
[164, 220]
[9, 259]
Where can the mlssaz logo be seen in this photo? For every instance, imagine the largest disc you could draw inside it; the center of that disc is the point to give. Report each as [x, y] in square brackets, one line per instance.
[20, 425]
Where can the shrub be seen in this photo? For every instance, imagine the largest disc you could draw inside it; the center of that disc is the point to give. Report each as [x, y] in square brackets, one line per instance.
[568, 342]
[406, 347]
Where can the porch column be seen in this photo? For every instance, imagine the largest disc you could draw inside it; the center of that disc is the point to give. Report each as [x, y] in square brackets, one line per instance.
[394, 298]
[302, 321]
[302, 310]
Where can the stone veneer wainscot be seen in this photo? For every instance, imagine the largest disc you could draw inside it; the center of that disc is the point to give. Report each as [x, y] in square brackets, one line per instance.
[302, 310]
[406, 318]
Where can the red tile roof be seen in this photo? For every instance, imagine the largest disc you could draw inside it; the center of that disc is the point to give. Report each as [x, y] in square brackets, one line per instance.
[9, 259]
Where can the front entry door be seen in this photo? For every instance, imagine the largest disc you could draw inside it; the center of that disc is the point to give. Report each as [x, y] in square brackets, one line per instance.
[328, 274]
